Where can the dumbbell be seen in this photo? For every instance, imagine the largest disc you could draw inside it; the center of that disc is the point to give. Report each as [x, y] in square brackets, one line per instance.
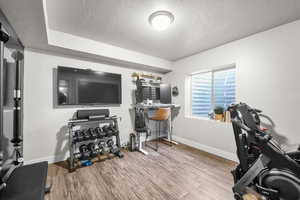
[101, 147]
[107, 130]
[92, 149]
[113, 129]
[85, 152]
[100, 133]
[101, 144]
[85, 134]
[110, 143]
[78, 136]
[92, 133]
[114, 149]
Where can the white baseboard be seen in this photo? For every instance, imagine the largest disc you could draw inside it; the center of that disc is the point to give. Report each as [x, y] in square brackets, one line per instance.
[208, 149]
[49, 159]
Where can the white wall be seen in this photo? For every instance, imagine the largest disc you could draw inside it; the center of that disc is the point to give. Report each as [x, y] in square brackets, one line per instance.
[80, 44]
[45, 136]
[267, 78]
[268, 71]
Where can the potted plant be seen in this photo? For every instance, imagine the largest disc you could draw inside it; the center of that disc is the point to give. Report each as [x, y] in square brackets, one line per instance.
[135, 76]
[219, 113]
[158, 79]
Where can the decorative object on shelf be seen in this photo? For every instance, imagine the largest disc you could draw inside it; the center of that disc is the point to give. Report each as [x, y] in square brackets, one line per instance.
[135, 76]
[219, 113]
[175, 91]
[158, 79]
[149, 76]
[154, 79]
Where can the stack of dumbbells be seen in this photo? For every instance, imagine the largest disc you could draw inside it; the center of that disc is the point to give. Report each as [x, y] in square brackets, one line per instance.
[96, 141]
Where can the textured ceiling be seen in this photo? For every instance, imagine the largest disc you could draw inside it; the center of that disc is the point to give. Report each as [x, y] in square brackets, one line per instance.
[198, 25]
[28, 20]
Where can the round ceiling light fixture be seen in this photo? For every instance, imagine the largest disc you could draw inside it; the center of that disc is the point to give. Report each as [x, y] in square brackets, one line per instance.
[161, 20]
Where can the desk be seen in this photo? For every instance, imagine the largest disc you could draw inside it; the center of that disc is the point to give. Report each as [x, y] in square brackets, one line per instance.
[174, 111]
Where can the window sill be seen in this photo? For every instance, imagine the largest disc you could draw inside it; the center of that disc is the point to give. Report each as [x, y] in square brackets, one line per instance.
[206, 119]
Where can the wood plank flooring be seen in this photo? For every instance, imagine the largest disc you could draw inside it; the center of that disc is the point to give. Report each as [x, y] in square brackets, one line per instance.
[173, 173]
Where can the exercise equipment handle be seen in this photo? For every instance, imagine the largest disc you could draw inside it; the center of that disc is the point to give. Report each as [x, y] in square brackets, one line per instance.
[256, 110]
[241, 125]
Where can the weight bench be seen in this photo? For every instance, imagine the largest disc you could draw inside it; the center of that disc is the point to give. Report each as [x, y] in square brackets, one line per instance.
[27, 182]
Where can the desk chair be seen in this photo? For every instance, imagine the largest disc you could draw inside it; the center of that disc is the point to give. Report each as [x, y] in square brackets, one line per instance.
[160, 115]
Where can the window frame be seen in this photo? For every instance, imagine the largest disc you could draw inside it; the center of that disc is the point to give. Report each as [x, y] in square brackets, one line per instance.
[212, 71]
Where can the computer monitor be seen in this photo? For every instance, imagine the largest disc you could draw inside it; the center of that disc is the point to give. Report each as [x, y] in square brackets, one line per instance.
[151, 93]
[165, 94]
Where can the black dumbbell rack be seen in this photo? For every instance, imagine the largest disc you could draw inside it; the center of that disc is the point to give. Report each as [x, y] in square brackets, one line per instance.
[85, 132]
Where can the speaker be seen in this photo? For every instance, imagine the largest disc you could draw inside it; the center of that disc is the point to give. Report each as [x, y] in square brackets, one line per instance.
[92, 114]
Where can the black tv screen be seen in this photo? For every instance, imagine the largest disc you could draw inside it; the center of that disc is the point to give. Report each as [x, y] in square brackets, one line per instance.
[86, 87]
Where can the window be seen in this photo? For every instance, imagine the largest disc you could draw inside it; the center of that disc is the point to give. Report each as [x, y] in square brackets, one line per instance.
[211, 89]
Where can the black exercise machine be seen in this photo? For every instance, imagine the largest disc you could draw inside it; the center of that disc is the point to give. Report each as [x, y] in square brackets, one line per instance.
[18, 57]
[17, 182]
[264, 167]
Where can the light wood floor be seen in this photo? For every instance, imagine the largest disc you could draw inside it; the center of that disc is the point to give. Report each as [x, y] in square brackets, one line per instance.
[175, 173]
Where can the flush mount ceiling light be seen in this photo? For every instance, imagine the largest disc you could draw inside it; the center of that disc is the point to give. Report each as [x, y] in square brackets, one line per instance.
[161, 20]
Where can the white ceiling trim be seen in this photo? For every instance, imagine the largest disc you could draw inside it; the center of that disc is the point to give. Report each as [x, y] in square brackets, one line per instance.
[68, 41]
[99, 49]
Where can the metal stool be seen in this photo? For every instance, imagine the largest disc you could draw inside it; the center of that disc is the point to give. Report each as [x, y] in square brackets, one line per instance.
[160, 115]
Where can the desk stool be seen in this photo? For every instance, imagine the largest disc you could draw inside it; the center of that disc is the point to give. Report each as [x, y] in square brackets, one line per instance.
[160, 115]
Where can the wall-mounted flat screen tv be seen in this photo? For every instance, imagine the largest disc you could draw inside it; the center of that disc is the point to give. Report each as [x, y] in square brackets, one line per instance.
[88, 87]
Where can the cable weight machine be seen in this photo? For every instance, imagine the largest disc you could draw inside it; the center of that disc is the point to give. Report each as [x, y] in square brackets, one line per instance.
[17, 141]
[3, 39]
[14, 175]
[17, 101]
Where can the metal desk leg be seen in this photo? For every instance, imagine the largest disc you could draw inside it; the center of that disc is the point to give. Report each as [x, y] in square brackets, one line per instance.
[118, 142]
[170, 132]
[143, 151]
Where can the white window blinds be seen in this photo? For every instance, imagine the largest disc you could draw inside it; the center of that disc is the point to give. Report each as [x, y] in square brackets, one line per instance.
[211, 89]
[201, 94]
[224, 87]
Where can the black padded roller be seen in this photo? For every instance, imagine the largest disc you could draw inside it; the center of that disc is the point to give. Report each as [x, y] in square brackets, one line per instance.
[95, 113]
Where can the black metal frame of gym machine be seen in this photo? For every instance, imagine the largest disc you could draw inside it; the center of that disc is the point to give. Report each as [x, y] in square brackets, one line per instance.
[16, 44]
[12, 41]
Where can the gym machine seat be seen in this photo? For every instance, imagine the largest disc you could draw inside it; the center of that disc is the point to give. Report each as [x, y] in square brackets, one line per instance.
[26, 182]
[160, 115]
